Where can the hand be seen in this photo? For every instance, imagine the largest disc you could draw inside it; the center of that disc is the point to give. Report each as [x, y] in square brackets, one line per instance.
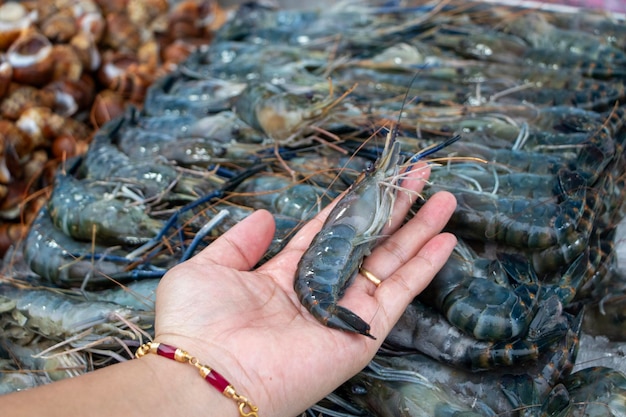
[250, 326]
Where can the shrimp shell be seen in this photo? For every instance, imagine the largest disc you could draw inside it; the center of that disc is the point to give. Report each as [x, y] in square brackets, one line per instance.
[331, 262]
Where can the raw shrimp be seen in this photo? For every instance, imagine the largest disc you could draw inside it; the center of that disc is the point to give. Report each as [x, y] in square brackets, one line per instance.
[424, 330]
[330, 264]
[60, 317]
[54, 256]
[85, 210]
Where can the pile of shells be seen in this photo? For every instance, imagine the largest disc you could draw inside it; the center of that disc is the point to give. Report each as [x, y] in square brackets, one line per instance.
[69, 66]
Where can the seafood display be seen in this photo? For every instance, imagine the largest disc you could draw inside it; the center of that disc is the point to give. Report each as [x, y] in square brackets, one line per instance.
[347, 236]
[69, 66]
[520, 113]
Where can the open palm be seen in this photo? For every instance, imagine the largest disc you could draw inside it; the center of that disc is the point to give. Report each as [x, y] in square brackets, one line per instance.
[250, 325]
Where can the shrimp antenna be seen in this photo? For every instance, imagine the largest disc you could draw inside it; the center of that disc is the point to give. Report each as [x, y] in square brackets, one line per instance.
[394, 129]
[434, 148]
[430, 149]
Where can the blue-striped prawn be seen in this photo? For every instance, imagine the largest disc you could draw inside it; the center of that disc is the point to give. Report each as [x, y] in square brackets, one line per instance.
[351, 230]
[412, 384]
[149, 177]
[422, 329]
[87, 210]
[535, 29]
[484, 298]
[66, 262]
[595, 391]
[387, 392]
[55, 364]
[508, 391]
[63, 318]
[282, 196]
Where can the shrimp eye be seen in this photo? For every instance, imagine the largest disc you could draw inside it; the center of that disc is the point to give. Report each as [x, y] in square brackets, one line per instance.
[369, 166]
[358, 389]
[219, 151]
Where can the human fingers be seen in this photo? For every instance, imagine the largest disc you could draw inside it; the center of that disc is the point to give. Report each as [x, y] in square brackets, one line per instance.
[411, 185]
[405, 243]
[397, 291]
[414, 182]
[242, 246]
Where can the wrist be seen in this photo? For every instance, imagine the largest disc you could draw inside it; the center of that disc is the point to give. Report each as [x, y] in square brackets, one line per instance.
[193, 385]
[179, 390]
[150, 386]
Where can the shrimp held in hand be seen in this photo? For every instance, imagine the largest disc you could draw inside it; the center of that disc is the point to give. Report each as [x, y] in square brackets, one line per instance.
[350, 232]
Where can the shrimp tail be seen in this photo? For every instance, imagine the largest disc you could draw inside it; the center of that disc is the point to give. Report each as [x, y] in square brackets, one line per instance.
[327, 311]
[344, 319]
[339, 317]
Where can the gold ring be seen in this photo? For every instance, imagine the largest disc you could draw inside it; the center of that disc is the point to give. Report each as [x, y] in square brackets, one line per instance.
[367, 274]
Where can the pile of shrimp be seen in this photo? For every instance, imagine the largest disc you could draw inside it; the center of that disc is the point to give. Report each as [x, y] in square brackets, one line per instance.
[520, 114]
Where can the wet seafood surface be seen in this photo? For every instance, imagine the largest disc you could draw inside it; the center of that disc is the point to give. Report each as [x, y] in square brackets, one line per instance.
[283, 110]
[68, 67]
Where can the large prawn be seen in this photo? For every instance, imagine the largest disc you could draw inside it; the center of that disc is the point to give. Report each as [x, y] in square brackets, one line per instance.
[350, 232]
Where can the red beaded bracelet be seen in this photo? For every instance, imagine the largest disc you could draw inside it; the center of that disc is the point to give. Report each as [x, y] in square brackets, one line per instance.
[211, 376]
